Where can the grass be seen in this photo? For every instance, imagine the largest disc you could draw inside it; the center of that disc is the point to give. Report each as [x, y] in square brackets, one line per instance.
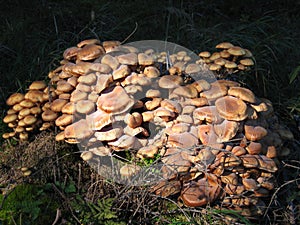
[35, 33]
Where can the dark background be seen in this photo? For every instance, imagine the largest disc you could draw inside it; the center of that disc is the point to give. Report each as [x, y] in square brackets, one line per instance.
[35, 33]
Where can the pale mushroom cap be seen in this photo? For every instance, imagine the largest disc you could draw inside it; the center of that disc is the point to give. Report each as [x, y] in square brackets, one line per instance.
[129, 170]
[205, 54]
[170, 81]
[192, 68]
[231, 108]
[242, 93]
[128, 59]
[85, 106]
[109, 135]
[117, 101]
[151, 72]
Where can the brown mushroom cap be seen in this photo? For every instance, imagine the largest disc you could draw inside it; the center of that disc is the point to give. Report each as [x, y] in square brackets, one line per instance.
[49, 115]
[231, 108]
[247, 62]
[224, 45]
[10, 118]
[129, 170]
[90, 51]
[192, 68]
[58, 104]
[37, 85]
[203, 191]
[128, 59]
[254, 133]
[205, 54]
[85, 106]
[236, 51]
[109, 134]
[242, 93]
[30, 119]
[14, 99]
[64, 120]
[117, 101]
[226, 130]
[170, 81]
[78, 130]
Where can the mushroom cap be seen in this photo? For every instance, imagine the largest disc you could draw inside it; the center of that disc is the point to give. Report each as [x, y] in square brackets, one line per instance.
[24, 112]
[85, 106]
[224, 45]
[192, 68]
[49, 115]
[109, 134]
[88, 79]
[230, 65]
[87, 42]
[30, 119]
[128, 59]
[182, 140]
[64, 120]
[205, 54]
[187, 91]
[121, 72]
[145, 60]
[14, 99]
[99, 119]
[153, 93]
[110, 61]
[226, 130]
[208, 114]
[147, 152]
[151, 72]
[116, 101]
[236, 51]
[10, 118]
[215, 56]
[70, 53]
[214, 67]
[231, 108]
[247, 62]
[78, 130]
[242, 93]
[254, 133]
[58, 104]
[215, 91]
[204, 191]
[34, 95]
[90, 51]
[37, 85]
[26, 103]
[170, 81]
[129, 170]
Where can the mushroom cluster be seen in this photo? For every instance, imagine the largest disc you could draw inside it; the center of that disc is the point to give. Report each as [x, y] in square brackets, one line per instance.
[227, 60]
[25, 113]
[216, 141]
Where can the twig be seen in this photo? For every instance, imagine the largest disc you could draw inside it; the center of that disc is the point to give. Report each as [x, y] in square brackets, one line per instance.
[68, 203]
[58, 215]
[275, 193]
